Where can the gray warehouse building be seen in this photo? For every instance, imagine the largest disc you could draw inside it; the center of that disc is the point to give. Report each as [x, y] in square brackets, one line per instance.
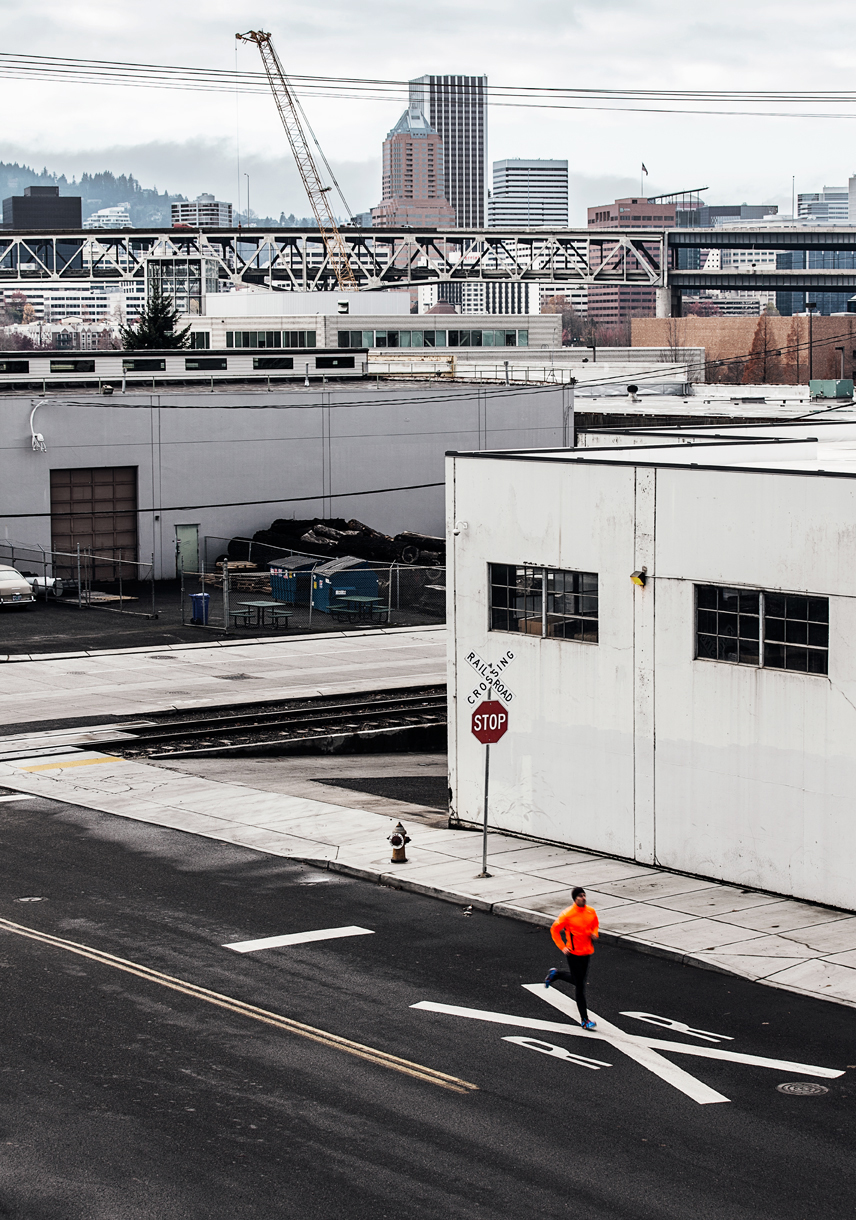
[132, 471]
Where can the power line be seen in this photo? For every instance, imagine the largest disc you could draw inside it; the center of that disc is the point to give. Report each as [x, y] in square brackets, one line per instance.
[184, 508]
[168, 76]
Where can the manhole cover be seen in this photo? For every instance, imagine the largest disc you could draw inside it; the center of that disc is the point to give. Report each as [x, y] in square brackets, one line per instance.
[29, 899]
[802, 1088]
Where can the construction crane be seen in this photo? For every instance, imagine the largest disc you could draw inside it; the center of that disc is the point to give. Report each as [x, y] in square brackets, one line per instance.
[289, 111]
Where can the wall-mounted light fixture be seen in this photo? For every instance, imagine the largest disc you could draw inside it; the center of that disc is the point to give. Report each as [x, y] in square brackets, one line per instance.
[36, 438]
[640, 578]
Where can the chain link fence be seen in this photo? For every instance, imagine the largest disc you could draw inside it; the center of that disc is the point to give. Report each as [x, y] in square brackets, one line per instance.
[114, 582]
[306, 593]
[297, 592]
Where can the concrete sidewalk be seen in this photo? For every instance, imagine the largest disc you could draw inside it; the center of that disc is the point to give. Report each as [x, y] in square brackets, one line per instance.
[783, 943]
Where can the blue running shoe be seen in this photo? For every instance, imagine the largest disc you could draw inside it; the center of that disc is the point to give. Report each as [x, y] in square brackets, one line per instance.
[587, 1025]
[551, 974]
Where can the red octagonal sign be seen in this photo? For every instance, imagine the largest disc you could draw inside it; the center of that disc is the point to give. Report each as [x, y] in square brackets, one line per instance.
[490, 721]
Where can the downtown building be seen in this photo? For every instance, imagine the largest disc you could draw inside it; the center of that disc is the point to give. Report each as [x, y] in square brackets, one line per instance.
[528, 194]
[41, 207]
[413, 176]
[456, 107]
[613, 303]
[202, 212]
[118, 217]
[829, 206]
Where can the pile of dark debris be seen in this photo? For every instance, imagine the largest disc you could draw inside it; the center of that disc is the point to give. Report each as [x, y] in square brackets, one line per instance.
[335, 537]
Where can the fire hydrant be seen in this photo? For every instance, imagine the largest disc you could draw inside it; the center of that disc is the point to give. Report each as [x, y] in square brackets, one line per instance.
[399, 840]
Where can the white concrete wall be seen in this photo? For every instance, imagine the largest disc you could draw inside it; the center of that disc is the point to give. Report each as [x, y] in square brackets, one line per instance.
[632, 746]
[232, 462]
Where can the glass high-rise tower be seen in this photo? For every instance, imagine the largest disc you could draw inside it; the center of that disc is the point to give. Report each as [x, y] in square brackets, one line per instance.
[456, 107]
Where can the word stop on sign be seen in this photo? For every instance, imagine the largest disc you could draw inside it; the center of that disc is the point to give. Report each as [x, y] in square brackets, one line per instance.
[490, 721]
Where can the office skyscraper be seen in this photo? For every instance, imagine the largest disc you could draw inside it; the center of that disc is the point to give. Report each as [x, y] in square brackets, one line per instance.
[456, 107]
[528, 194]
[413, 183]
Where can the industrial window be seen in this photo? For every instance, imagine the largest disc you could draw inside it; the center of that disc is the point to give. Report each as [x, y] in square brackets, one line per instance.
[144, 365]
[770, 630]
[273, 362]
[72, 366]
[544, 601]
[200, 339]
[270, 338]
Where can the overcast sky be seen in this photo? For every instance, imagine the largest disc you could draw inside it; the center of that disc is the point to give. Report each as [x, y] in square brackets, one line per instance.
[186, 142]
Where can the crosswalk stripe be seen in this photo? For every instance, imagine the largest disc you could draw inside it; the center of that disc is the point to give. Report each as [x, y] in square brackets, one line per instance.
[296, 938]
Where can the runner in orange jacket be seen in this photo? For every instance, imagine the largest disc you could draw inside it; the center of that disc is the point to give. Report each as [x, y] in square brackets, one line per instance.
[578, 926]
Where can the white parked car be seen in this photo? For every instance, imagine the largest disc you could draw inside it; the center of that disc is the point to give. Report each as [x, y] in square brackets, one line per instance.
[14, 588]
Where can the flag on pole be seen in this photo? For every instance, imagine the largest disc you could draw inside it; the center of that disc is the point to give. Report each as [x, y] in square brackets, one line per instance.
[644, 170]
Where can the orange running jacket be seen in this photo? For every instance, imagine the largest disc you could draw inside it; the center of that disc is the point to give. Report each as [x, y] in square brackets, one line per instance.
[579, 925]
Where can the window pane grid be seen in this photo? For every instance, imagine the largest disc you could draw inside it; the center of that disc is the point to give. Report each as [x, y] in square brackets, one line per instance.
[544, 601]
[795, 628]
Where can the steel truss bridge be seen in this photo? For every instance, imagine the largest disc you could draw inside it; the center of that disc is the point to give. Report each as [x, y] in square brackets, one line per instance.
[296, 260]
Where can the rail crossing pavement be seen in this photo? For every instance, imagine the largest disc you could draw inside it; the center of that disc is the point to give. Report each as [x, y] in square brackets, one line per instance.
[783, 943]
[642, 1050]
[47, 688]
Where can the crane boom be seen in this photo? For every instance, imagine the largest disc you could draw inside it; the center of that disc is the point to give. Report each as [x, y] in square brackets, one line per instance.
[334, 243]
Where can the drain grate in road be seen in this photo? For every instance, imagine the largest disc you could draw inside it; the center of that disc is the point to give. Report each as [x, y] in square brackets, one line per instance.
[236, 677]
[802, 1088]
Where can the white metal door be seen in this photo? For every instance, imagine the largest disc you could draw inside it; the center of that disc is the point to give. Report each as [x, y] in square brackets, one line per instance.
[186, 548]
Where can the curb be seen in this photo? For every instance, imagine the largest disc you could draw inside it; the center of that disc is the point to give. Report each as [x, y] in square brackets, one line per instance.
[12, 658]
[523, 915]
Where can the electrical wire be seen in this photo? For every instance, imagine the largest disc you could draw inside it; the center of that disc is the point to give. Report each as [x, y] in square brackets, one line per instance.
[166, 76]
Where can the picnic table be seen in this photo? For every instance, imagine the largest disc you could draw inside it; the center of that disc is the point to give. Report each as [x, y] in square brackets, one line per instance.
[358, 605]
[260, 605]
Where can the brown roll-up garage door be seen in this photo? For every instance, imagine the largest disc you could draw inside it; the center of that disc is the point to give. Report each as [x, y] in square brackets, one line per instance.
[96, 509]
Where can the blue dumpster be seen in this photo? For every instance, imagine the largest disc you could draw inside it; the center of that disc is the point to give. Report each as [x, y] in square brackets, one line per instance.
[339, 579]
[290, 580]
[199, 604]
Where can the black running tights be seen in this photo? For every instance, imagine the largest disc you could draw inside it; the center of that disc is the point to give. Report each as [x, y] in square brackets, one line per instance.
[578, 965]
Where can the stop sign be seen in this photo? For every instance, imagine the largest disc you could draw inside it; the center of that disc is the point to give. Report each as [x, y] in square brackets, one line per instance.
[490, 721]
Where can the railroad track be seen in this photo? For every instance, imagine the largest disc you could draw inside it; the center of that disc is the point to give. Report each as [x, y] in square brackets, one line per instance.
[289, 726]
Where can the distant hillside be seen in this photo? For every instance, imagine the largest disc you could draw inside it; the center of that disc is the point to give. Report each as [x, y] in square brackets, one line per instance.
[105, 190]
[149, 207]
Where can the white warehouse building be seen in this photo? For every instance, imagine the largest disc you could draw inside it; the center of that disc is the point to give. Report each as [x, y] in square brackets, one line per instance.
[682, 619]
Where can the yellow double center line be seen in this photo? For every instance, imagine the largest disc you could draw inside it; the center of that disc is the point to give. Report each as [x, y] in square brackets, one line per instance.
[333, 1041]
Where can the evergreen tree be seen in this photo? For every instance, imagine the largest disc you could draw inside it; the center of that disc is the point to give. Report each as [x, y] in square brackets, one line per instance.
[156, 329]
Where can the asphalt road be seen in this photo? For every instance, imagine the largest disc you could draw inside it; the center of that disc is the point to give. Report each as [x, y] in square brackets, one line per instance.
[133, 1095]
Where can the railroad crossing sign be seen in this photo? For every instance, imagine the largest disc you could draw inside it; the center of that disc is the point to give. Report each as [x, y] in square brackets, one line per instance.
[490, 674]
[490, 722]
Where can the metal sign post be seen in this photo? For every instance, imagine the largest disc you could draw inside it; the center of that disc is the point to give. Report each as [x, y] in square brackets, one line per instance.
[489, 724]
